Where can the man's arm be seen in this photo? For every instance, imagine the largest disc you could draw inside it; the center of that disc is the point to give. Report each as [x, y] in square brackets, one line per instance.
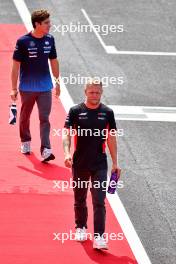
[66, 137]
[66, 140]
[14, 79]
[55, 70]
[112, 145]
[112, 142]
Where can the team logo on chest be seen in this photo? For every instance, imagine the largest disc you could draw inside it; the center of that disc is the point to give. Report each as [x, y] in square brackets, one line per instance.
[101, 116]
[47, 47]
[32, 50]
[31, 43]
[83, 115]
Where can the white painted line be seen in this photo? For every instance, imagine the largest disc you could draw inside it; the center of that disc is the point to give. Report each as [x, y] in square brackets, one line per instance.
[110, 49]
[124, 109]
[145, 53]
[158, 117]
[132, 237]
[128, 229]
[24, 13]
[144, 113]
[65, 97]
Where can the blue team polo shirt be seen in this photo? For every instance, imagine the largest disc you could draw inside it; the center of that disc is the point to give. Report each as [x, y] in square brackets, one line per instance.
[33, 53]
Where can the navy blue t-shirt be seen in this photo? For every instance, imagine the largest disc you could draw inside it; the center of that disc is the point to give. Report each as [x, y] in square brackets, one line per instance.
[33, 53]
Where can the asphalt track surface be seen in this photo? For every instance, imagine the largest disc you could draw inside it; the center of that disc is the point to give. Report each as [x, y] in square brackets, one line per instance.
[146, 151]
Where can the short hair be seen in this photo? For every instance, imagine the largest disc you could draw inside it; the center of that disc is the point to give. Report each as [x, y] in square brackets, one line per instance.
[93, 81]
[39, 16]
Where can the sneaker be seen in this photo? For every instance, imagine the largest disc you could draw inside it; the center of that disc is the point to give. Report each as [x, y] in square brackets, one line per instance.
[80, 234]
[47, 155]
[25, 147]
[100, 243]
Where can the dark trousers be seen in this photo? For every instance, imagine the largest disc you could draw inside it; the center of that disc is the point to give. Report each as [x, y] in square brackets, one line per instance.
[44, 101]
[98, 193]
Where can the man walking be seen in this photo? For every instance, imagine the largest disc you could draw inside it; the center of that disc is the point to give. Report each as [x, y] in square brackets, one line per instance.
[31, 56]
[89, 158]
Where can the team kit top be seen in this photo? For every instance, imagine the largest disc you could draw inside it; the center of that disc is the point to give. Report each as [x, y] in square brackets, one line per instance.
[91, 126]
[33, 53]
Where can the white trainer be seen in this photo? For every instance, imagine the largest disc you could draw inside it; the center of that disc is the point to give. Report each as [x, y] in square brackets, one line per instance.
[100, 243]
[47, 155]
[81, 234]
[26, 147]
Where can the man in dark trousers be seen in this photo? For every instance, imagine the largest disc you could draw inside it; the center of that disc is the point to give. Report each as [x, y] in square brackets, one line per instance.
[31, 56]
[89, 158]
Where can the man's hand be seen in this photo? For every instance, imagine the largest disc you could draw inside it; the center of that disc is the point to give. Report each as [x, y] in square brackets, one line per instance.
[57, 91]
[13, 95]
[55, 70]
[115, 167]
[68, 161]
